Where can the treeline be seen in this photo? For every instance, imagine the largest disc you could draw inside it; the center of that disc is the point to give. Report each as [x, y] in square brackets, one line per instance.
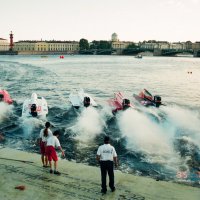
[102, 44]
[102, 47]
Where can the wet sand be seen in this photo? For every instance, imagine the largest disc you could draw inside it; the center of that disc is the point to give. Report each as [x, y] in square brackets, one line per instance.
[77, 181]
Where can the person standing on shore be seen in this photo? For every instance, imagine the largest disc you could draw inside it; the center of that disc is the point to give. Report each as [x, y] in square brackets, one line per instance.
[52, 143]
[44, 134]
[106, 154]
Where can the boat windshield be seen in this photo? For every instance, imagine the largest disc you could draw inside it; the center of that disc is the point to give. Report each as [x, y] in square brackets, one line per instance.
[147, 93]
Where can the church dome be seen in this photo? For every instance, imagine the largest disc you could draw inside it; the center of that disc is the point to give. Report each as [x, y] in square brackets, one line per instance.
[114, 37]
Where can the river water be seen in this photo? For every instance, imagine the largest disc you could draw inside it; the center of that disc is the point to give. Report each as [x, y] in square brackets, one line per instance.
[162, 143]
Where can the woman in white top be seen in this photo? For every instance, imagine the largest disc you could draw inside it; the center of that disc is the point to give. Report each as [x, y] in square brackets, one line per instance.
[44, 134]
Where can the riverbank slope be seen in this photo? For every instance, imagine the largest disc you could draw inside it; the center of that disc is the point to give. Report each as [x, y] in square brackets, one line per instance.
[77, 181]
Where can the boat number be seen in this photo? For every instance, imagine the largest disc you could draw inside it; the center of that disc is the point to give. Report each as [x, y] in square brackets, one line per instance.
[38, 109]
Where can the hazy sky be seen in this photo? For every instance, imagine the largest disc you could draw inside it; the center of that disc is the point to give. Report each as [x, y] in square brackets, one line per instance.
[132, 20]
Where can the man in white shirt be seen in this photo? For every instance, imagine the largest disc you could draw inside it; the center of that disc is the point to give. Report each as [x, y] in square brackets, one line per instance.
[52, 143]
[106, 154]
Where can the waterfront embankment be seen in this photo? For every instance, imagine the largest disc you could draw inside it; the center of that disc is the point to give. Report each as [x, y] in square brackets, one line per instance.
[77, 181]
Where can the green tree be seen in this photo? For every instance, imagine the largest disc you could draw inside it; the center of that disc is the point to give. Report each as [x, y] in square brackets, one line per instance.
[102, 44]
[131, 46]
[94, 45]
[83, 44]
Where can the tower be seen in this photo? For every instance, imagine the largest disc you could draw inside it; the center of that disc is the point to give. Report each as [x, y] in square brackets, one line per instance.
[11, 41]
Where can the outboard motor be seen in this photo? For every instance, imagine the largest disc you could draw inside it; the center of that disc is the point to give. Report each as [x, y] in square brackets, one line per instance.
[157, 100]
[1, 97]
[34, 110]
[125, 104]
[86, 101]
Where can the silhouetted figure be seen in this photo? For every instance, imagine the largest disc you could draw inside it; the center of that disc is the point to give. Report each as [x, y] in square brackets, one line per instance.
[86, 101]
[34, 110]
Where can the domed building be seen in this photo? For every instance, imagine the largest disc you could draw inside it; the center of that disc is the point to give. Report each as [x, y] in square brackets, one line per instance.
[118, 45]
[114, 37]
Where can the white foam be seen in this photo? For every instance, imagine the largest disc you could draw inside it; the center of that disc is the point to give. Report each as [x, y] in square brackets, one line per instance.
[143, 135]
[156, 140]
[29, 124]
[89, 124]
[185, 120]
[5, 111]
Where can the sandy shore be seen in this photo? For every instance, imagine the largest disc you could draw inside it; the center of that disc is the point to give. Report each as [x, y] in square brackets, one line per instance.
[77, 181]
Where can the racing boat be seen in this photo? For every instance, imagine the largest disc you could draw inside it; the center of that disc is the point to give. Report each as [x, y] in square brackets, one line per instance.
[81, 99]
[119, 102]
[138, 56]
[5, 97]
[147, 99]
[35, 107]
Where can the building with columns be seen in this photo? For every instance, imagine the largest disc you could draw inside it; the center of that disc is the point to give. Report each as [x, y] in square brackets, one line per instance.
[4, 44]
[118, 45]
[37, 47]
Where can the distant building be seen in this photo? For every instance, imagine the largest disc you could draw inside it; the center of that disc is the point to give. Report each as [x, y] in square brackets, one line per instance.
[149, 45]
[196, 46]
[188, 45]
[118, 45]
[4, 44]
[163, 45]
[178, 46]
[37, 47]
[152, 44]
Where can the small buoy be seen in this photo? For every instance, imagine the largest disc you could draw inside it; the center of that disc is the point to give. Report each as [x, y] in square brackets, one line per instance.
[20, 187]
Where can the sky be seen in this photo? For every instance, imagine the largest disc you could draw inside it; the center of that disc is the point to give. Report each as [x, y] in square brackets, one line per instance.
[132, 20]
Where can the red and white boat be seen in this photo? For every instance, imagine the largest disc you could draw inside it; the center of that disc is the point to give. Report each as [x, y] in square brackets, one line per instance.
[119, 102]
[5, 97]
[147, 99]
[35, 107]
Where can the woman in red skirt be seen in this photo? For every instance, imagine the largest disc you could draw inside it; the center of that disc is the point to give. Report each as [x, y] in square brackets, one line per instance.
[44, 134]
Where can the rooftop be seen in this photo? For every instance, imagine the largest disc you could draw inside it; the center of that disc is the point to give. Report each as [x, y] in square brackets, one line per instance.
[47, 41]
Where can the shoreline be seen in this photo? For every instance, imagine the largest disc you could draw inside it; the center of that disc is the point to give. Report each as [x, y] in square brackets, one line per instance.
[77, 181]
[48, 53]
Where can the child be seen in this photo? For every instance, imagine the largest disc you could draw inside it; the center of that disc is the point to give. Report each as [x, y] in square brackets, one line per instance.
[44, 134]
[52, 143]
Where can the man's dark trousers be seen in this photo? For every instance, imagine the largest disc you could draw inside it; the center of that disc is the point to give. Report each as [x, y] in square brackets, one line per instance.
[107, 166]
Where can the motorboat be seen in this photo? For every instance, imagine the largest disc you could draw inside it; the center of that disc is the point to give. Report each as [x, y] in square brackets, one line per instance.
[138, 56]
[119, 102]
[5, 97]
[81, 99]
[147, 99]
[35, 107]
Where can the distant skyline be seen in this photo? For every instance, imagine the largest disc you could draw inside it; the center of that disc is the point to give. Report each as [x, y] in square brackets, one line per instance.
[132, 20]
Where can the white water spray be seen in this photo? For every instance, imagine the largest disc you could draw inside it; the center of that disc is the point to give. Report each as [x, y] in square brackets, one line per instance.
[5, 111]
[29, 124]
[145, 136]
[185, 122]
[89, 124]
